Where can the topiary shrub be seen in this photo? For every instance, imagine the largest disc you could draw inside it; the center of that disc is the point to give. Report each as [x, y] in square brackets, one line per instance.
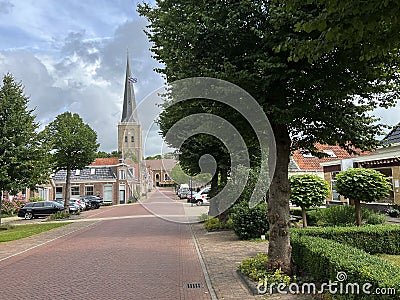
[248, 222]
[359, 184]
[308, 190]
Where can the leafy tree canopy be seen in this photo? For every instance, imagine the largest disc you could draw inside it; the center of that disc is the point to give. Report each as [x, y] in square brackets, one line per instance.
[369, 27]
[23, 156]
[74, 144]
[103, 154]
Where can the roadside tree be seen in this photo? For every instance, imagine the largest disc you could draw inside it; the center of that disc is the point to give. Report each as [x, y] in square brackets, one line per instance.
[325, 101]
[359, 184]
[73, 146]
[23, 157]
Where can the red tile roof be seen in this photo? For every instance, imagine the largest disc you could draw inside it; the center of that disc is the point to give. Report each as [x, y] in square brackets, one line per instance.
[313, 163]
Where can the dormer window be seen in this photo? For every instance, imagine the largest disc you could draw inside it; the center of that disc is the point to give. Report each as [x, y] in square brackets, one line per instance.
[306, 154]
[77, 172]
[330, 153]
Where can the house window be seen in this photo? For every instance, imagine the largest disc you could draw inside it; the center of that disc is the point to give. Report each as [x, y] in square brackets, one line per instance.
[77, 172]
[166, 177]
[122, 175]
[132, 172]
[132, 139]
[75, 190]
[107, 193]
[59, 192]
[126, 139]
[335, 194]
[44, 193]
[92, 171]
[89, 190]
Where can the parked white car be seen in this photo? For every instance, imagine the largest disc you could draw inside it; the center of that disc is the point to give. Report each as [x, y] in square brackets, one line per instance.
[81, 203]
[201, 197]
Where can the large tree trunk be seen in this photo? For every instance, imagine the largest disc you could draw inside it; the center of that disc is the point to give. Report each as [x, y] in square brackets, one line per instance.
[223, 216]
[279, 248]
[213, 210]
[67, 190]
[357, 205]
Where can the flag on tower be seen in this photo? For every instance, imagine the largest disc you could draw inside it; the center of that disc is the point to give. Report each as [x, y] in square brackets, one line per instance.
[132, 80]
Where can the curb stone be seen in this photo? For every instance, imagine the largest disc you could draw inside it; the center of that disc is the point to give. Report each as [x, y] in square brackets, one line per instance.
[250, 284]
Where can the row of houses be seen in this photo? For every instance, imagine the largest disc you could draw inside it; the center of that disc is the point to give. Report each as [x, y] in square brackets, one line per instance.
[119, 180]
[115, 180]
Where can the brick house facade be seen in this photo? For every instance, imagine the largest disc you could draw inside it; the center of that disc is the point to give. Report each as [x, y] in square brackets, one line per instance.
[113, 179]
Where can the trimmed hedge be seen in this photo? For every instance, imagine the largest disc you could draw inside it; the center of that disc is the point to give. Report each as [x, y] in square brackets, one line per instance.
[323, 259]
[371, 239]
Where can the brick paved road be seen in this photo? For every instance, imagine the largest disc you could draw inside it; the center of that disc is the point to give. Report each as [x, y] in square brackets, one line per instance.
[143, 257]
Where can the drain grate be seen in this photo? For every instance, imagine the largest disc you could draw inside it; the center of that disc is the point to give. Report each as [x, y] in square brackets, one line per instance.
[194, 285]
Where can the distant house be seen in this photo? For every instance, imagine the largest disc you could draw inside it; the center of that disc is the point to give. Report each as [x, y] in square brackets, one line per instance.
[160, 170]
[385, 160]
[113, 179]
[303, 162]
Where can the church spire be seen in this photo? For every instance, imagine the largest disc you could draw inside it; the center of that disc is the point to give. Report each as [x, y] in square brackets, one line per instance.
[129, 113]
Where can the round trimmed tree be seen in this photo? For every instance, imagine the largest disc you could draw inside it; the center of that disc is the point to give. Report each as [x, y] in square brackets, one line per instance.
[307, 191]
[359, 184]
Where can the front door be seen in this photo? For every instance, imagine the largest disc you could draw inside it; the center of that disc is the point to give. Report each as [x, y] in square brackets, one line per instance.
[122, 193]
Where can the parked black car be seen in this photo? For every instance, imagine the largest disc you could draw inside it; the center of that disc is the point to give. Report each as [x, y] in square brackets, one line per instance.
[39, 209]
[95, 201]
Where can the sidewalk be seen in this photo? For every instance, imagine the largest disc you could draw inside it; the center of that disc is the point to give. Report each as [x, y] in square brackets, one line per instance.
[222, 252]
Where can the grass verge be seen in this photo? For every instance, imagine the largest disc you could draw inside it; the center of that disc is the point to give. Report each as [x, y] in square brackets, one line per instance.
[15, 232]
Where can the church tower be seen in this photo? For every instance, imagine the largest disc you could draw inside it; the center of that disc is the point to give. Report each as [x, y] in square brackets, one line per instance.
[129, 129]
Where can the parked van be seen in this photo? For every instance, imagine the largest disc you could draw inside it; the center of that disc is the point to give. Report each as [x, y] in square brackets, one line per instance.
[183, 191]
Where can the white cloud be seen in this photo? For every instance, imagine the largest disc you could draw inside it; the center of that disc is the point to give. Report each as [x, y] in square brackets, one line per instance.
[80, 67]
